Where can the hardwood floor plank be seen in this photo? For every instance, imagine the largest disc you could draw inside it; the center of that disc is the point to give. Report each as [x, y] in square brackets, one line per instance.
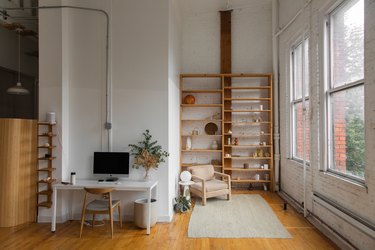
[172, 235]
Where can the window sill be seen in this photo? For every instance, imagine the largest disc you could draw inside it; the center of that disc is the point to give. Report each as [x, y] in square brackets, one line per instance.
[298, 162]
[344, 179]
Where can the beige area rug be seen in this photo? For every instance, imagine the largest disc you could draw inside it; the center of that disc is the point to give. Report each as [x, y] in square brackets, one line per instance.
[244, 216]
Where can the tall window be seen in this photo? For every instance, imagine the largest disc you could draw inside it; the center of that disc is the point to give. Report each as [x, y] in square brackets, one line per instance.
[299, 100]
[345, 92]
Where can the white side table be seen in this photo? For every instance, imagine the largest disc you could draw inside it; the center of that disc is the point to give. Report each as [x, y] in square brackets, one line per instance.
[186, 192]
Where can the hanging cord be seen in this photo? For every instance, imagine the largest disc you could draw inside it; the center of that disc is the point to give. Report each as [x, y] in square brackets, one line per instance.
[19, 56]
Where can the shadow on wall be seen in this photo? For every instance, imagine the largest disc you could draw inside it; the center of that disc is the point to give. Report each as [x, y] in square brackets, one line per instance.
[15, 106]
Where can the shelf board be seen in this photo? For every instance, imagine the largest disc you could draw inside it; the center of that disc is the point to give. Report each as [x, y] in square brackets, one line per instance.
[47, 123]
[47, 135]
[200, 75]
[248, 135]
[248, 88]
[202, 105]
[201, 135]
[251, 181]
[202, 91]
[45, 192]
[201, 120]
[47, 147]
[248, 99]
[46, 169]
[49, 158]
[245, 110]
[201, 150]
[248, 169]
[200, 164]
[45, 181]
[248, 158]
[247, 123]
[47, 204]
[247, 146]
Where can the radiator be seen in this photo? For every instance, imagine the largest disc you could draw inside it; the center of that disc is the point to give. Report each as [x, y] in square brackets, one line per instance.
[353, 219]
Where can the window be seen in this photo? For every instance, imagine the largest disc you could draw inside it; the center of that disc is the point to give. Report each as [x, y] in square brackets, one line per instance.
[345, 91]
[299, 100]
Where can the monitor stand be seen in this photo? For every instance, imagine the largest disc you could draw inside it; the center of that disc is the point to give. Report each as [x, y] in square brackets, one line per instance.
[111, 179]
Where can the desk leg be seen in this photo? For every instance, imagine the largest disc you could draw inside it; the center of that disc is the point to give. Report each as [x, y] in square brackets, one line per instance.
[149, 211]
[54, 200]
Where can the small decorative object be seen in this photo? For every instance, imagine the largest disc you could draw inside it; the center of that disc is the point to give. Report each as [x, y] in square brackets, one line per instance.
[229, 131]
[188, 143]
[261, 167]
[214, 145]
[51, 117]
[49, 133]
[266, 177]
[246, 165]
[257, 177]
[73, 178]
[195, 131]
[260, 107]
[228, 140]
[47, 155]
[189, 99]
[259, 152]
[227, 155]
[181, 205]
[264, 143]
[262, 132]
[255, 154]
[46, 144]
[235, 142]
[148, 154]
[216, 116]
[215, 162]
[260, 144]
[265, 166]
[185, 176]
[211, 128]
[267, 154]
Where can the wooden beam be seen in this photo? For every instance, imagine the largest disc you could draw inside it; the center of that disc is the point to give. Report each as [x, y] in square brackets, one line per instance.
[225, 41]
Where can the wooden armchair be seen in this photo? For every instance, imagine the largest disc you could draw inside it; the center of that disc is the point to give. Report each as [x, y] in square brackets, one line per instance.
[206, 186]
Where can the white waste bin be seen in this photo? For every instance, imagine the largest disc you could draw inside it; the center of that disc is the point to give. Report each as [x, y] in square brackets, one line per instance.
[140, 212]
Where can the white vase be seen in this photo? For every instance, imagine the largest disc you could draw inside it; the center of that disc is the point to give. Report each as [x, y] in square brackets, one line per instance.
[188, 143]
[214, 145]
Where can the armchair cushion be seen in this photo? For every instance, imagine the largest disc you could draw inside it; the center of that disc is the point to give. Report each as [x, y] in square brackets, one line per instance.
[211, 185]
[205, 172]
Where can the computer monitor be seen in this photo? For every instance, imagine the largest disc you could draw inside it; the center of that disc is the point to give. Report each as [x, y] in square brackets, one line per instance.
[111, 163]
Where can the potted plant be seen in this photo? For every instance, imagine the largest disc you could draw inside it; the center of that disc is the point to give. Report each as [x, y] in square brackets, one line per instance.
[148, 153]
[182, 204]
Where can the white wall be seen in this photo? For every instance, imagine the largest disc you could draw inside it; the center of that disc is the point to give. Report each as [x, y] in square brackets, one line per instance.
[356, 198]
[251, 36]
[143, 82]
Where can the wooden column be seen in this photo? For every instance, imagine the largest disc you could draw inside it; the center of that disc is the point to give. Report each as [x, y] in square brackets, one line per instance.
[226, 41]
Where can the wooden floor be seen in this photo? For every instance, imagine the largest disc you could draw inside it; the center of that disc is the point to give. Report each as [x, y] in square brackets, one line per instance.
[164, 235]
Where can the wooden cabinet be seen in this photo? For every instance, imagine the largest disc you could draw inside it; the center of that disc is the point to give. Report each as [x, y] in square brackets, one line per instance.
[45, 164]
[17, 171]
[241, 106]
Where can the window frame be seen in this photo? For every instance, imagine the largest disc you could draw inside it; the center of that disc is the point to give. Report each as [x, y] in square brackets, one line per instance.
[329, 90]
[301, 41]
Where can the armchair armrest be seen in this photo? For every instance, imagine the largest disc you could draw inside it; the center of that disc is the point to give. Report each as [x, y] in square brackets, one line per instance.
[226, 176]
[202, 180]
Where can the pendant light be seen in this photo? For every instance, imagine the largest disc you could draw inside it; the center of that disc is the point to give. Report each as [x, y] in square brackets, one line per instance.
[18, 89]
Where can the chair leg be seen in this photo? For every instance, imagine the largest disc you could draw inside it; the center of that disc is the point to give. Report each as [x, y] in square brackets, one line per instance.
[82, 222]
[111, 220]
[228, 197]
[204, 199]
[119, 215]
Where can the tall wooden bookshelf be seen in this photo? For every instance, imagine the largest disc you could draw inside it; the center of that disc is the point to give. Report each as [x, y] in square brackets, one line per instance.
[241, 107]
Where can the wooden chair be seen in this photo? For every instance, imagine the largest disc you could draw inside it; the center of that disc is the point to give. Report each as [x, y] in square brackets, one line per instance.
[206, 186]
[100, 206]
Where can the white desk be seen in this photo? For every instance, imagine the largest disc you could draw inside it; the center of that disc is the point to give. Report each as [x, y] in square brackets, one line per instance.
[145, 186]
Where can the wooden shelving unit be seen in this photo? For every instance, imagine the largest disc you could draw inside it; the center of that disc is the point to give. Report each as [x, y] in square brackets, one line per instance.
[244, 104]
[45, 163]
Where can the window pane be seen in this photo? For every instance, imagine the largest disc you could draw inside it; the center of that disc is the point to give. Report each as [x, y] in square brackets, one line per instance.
[347, 43]
[297, 71]
[348, 131]
[298, 131]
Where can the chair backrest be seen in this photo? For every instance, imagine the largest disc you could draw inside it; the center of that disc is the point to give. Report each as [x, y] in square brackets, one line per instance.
[98, 190]
[205, 172]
